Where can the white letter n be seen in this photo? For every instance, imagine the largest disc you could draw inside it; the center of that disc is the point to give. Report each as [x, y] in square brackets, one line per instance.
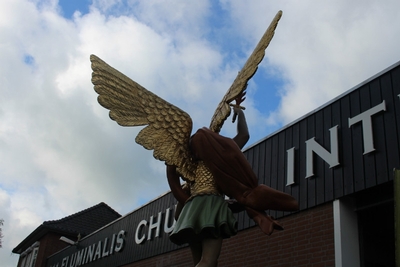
[331, 158]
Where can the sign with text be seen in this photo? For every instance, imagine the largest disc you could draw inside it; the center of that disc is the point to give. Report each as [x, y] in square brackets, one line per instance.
[348, 145]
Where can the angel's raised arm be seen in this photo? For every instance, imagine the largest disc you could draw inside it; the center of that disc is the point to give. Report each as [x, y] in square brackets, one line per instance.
[240, 83]
[242, 135]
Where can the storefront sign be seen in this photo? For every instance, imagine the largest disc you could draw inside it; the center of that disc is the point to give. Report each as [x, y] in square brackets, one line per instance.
[154, 226]
[94, 252]
[332, 157]
[147, 229]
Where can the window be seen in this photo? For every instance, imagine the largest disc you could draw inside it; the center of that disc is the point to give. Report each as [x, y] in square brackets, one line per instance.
[29, 256]
[34, 255]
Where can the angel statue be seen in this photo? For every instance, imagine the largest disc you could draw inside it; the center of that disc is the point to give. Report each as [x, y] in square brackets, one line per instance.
[213, 166]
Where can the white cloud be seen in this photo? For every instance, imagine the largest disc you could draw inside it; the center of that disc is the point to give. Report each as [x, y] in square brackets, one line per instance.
[322, 48]
[59, 151]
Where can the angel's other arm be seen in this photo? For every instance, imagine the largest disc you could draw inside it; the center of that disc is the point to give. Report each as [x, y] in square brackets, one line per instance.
[175, 185]
[242, 135]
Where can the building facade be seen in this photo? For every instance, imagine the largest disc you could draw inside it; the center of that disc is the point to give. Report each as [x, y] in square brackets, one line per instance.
[45, 239]
[337, 161]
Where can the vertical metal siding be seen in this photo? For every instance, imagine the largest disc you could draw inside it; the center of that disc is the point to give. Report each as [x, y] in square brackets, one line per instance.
[336, 181]
[356, 171]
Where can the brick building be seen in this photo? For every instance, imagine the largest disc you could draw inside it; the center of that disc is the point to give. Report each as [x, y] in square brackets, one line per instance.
[337, 161]
[45, 239]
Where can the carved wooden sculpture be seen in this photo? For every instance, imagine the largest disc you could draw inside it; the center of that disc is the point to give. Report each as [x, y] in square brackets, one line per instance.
[210, 164]
[168, 127]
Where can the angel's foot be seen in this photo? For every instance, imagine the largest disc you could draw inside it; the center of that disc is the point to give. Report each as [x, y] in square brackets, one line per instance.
[265, 222]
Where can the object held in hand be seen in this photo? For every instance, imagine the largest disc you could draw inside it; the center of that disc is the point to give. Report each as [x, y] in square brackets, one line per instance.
[235, 114]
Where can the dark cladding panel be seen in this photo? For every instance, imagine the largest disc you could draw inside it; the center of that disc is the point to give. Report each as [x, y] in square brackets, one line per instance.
[268, 178]
[347, 143]
[143, 231]
[323, 122]
[281, 159]
[281, 177]
[395, 78]
[281, 171]
[158, 246]
[261, 162]
[357, 143]
[255, 160]
[274, 161]
[303, 182]
[288, 145]
[381, 174]
[274, 167]
[258, 168]
[268, 162]
[327, 178]
[318, 163]
[242, 217]
[369, 159]
[295, 145]
[171, 220]
[390, 141]
[255, 163]
[336, 180]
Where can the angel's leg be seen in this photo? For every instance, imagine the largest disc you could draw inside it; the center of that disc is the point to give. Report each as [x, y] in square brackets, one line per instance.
[196, 250]
[263, 197]
[211, 248]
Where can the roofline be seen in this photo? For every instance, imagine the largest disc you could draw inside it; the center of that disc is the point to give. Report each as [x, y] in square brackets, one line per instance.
[324, 105]
[51, 222]
[46, 227]
[36, 235]
[116, 220]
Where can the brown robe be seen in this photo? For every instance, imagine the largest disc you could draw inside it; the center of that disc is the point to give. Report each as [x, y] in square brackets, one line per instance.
[235, 177]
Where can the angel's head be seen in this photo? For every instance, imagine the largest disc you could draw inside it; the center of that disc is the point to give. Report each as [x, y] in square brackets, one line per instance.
[191, 149]
[201, 142]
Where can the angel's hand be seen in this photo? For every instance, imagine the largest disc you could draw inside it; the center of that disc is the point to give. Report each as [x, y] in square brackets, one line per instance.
[175, 185]
[236, 107]
[240, 98]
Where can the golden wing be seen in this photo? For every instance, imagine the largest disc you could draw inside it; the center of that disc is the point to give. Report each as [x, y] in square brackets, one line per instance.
[240, 83]
[168, 127]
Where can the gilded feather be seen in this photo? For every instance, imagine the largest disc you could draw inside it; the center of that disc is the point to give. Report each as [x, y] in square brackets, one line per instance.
[168, 128]
[240, 83]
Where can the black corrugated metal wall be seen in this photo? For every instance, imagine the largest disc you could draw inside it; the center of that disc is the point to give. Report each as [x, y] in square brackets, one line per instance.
[356, 171]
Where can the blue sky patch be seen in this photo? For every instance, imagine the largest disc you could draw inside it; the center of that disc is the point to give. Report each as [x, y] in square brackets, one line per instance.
[70, 6]
[29, 60]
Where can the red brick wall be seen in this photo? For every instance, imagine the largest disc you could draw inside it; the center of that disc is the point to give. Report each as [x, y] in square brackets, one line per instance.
[49, 245]
[308, 240]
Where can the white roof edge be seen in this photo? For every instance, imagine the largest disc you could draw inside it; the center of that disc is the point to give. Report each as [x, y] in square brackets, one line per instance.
[326, 104]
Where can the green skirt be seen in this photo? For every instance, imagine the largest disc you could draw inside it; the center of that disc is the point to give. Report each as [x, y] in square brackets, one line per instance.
[205, 216]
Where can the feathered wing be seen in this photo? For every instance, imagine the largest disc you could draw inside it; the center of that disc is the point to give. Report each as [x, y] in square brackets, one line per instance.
[168, 127]
[240, 83]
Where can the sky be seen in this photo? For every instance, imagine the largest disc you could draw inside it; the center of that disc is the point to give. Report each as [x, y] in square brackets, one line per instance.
[59, 151]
